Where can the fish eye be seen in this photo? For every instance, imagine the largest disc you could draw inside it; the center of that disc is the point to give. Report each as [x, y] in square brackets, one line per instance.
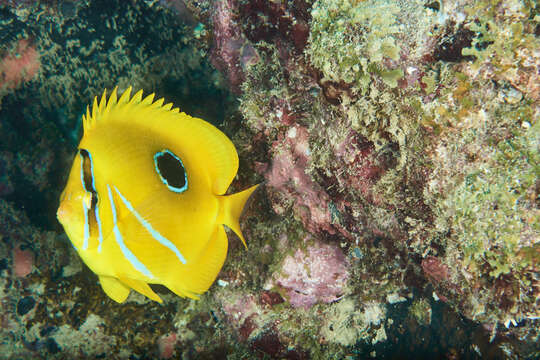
[91, 200]
[88, 179]
[88, 176]
[171, 171]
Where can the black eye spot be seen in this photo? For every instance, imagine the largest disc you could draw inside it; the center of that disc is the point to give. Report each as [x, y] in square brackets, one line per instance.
[171, 171]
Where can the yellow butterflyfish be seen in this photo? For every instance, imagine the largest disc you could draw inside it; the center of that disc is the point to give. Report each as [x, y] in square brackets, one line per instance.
[145, 199]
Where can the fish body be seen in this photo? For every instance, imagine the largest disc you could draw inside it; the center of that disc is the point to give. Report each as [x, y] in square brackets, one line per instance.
[144, 202]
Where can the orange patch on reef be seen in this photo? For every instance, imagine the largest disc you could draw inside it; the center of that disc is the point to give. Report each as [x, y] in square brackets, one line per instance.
[22, 262]
[166, 346]
[19, 66]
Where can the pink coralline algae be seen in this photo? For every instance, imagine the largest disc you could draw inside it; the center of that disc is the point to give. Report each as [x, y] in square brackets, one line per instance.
[288, 175]
[242, 314]
[434, 269]
[166, 346]
[231, 51]
[22, 262]
[357, 155]
[318, 274]
[20, 66]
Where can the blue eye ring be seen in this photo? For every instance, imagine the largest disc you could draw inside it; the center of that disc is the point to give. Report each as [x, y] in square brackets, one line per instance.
[182, 186]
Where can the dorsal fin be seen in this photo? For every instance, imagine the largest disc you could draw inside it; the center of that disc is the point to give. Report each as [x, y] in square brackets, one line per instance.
[101, 109]
[215, 151]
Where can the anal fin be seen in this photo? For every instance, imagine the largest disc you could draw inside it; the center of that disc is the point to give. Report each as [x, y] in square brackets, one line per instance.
[196, 277]
[114, 288]
[141, 287]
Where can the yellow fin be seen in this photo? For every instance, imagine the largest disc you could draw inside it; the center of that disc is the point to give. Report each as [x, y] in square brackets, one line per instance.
[148, 99]
[196, 276]
[141, 287]
[231, 208]
[114, 288]
[137, 98]
[125, 97]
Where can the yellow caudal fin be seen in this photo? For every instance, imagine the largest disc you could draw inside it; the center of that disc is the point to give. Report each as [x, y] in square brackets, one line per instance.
[231, 207]
[114, 288]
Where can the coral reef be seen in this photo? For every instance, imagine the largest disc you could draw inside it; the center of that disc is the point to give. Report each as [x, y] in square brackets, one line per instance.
[398, 143]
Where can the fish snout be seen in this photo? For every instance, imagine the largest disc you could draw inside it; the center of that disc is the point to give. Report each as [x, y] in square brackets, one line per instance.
[64, 212]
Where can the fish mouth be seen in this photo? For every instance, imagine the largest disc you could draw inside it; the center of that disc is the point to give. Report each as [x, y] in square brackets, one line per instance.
[62, 214]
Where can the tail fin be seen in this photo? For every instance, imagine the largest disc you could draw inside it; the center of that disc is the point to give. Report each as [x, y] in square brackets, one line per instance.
[231, 207]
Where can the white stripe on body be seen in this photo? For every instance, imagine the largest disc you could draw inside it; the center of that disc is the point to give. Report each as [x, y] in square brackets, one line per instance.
[155, 234]
[98, 219]
[85, 209]
[136, 263]
[86, 226]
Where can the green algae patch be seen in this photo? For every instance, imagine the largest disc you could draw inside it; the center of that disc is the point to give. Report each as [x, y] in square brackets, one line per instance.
[350, 41]
[484, 188]
[495, 216]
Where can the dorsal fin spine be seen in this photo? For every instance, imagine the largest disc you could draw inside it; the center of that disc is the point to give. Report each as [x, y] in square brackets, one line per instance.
[103, 106]
[148, 100]
[95, 108]
[136, 98]
[125, 96]
[86, 119]
[110, 103]
[113, 98]
[103, 101]
[158, 103]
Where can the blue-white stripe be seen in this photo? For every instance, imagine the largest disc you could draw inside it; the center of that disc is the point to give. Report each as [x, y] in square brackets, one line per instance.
[96, 211]
[136, 263]
[98, 220]
[86, 226]
[91, 170]
[155, 234]
[82, 171]
[85, 210]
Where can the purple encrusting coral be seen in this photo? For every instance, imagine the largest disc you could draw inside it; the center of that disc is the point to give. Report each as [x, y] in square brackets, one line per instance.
[397, 143]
